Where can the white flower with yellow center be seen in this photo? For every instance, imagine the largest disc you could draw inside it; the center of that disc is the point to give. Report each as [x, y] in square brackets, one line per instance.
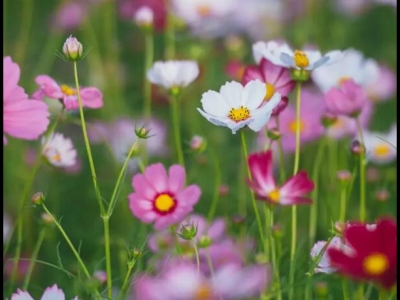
[351, 65]
[173, 73]
[59, 151]
[236, 106]
[281, 54]
[381, 148]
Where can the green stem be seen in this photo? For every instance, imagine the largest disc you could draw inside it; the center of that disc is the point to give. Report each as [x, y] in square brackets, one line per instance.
[33, 257]
[214, 202]
[73, 249]
[176, 125]
[26, 20]
[363, 210]
[87, 144]
[267, 233]
[314, 195]
[294, 207]
[169, 52]
[148, 60]
[107, 251]
[197, 256]
[343, 194]
[275, 265]
[280, 154]
[253, 200]
[346, 295]
[126, 280]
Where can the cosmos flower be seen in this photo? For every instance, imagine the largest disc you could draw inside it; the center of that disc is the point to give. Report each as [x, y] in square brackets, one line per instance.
[51, 293]
[173, 73]
[263, 183]
[373, 256]
[348, 99]
[70, 15]
[281, 54]
[22, 118]
[183, 281]
[144, 16]
[350, 65]
[236, 106]
[384, 87]
[162, 198]
[59, 150]
[381, 148]
[276, 78]
[48, 87]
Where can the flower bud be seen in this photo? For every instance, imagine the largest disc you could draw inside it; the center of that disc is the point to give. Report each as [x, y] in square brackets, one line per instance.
[281, 106]
[340, 227]
[188, 232]
[47, 219]
[238, 219]
[321, 289]
[136, 253]
[344, 177]
[223, 190]
[328, 119]
[300, 75]
[144, 17]
[100, 276]
[38, 198]
[373, 174]
[274, 134]
[357, 148]
[198, 144]
[142, 132]
[277, 231]
[72, 49]
[204, 241]
[382, 195]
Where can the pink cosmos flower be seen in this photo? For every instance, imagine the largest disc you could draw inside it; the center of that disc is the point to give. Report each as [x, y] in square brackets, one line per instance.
[22, 118]
[51, 293]
[276, 78]
[384, 87]
[348, 99]
[70, 15]
[48, 87]
[162, 198]
[183, 282]
[312, 107]
[292, 192]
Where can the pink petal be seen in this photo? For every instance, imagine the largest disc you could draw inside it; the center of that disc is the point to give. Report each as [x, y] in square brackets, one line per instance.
[252, 73]
[294, 200]
[49, 87]
[157, 177]
[11, 74]
[91, 97]
[143, 187]
[176, 180]
[141, 208]
[297, 186]
[261, 168]
[163, 222]
[189, 196]
[25, 119]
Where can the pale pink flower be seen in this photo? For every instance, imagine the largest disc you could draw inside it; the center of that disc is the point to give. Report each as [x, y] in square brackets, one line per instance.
[70, 15]
[384, 87]
[59, 150]
[48, 87]
[22, 118]
[292, 192]
[162, 198]
[324, 265]
[51, 293]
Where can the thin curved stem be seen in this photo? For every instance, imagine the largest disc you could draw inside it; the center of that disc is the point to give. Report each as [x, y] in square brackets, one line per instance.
[363, 210]
[126, 280]
[282, 174]
[176, 125]
[149, 53]
[215, 198]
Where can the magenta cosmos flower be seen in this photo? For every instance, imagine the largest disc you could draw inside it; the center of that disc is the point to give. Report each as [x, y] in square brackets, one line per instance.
[162, 198]
[22, 118]
[373, 256]
[48, 87]
[348, 99]
[292, 192]
[276, 78]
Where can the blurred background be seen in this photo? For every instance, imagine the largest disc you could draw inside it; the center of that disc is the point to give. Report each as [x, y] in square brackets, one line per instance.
[35, 29]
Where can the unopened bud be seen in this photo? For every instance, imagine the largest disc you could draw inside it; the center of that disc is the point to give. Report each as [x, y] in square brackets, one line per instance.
[38, 198]
[100, 276]
[204, 241]
[188, 232]
[343, 176]
[47, 219]
[382, 195]
[280, 106]
[72, 49]
[142, 132]
[274, 134]
[277, 231]
[373, 174]
[198, 144]
[340, 227]
[328, 119]
[321, 289]
[144, 17]
[357, 148]
[223, 190]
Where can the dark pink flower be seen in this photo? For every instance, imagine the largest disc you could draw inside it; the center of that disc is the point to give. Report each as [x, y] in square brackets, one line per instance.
[48, 87]
[292, 192]
[162, 198]
[348, 99]
[22, 118]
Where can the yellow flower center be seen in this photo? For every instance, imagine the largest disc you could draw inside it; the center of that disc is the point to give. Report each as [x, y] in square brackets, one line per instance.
[382, 150]
[301, 59]
[270, 91]
[339, 123]
[203, 293]
[56, 157]
[293, 126]
[375, 264]
[239, 114]
[274, 196]
[343, 79]
[203, 10]
[164, 203]
[67, 90]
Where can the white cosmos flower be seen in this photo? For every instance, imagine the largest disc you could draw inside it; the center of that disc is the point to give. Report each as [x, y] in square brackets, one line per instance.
[236, 106]
[144, 16]
[381, 148]
[351, 64]
[59, 151]
[173, 73]
[281, 54]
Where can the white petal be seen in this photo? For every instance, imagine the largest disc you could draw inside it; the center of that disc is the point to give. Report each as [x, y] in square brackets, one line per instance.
[215, 104]
[232, 93]
[254, 94]
[286, 60]
[259, 120]
[215, 120]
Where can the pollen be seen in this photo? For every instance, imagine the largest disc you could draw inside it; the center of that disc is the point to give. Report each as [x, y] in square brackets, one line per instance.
[342, 79]
[239, 114]
[301, 59]
[68, 90]
[270, 91]
[203, 10]
[56, 157]
[293, 126]
[164, 203]
[203, 293]
[382, 150]
[274, 196]
[375, 264]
